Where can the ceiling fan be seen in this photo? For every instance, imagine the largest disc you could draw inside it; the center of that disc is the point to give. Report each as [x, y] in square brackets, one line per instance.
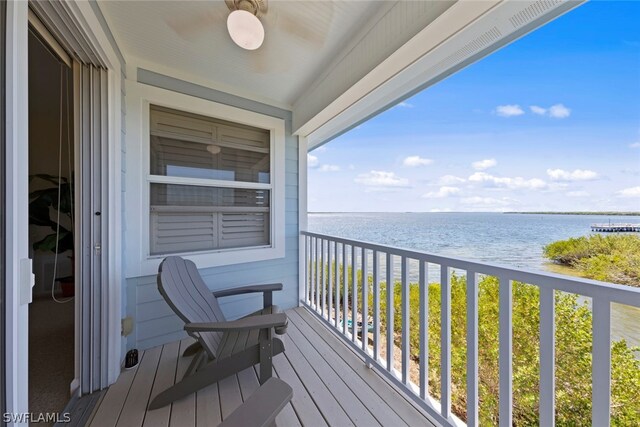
[254, 26]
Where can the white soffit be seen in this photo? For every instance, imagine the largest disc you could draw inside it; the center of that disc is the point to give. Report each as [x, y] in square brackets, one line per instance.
[465, 33]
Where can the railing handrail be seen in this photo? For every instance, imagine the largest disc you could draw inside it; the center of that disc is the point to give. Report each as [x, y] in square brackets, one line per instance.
[595, 289]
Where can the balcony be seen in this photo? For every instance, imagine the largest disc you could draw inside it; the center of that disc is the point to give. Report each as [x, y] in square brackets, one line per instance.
[339, 378]
[331, 386]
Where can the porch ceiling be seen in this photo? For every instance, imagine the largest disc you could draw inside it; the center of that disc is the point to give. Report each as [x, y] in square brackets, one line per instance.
[191, 39]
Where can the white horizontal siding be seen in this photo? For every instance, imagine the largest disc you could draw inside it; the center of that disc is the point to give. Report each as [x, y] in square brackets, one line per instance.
[154, 322]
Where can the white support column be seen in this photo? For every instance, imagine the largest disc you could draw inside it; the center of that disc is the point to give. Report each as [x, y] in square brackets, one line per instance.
[303, 288]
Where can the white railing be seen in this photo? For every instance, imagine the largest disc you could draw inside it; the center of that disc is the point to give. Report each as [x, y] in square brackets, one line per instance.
[330, 260]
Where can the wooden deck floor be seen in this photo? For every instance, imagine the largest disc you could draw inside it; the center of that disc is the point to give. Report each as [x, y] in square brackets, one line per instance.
[331, 386]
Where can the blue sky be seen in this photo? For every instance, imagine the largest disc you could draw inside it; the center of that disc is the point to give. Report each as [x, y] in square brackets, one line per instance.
[550, 122]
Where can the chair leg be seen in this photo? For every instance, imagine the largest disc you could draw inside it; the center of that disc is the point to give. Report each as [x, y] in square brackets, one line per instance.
[266, 357]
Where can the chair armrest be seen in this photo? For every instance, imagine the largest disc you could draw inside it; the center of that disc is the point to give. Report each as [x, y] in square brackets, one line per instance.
[267, 298]
[264, 321]
[247, 290]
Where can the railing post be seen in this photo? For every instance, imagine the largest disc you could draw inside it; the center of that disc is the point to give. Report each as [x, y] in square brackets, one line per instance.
[365, 300]
[547, 356]
[601, 366]
[390, 312]
[445, 342]
[376, 307]
[424, 330]
[405, 319]
[505, 367]
[472, 349]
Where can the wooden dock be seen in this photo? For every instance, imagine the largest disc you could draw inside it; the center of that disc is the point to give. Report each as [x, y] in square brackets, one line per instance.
[616, 228]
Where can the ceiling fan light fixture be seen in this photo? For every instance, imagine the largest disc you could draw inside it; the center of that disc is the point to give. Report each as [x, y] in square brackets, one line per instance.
[245, 29]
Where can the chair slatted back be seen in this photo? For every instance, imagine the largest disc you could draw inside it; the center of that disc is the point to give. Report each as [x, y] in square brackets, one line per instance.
[183, 289]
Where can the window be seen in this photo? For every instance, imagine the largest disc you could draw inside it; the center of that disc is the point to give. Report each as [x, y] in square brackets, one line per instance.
[210, 184]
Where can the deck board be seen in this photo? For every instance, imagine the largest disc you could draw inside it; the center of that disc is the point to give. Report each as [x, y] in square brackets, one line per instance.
[331, 386]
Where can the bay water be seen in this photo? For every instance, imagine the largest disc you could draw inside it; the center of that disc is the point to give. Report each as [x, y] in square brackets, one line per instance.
[512, 240]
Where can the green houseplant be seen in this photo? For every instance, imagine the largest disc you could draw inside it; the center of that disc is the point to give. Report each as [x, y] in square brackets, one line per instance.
[58, 197]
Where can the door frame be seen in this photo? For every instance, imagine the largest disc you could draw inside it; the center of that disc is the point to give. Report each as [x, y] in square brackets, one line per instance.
[92, 28]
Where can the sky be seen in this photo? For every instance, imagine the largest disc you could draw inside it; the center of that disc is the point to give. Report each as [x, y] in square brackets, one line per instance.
[549, 123]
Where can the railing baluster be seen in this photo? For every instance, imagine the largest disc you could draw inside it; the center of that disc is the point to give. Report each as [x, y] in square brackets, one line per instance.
[306, 268]
[336, 284]
[505, 352]
[547, 357]
[354, 295]
[330, 269]
[405, 319]
[317, 282]
[323, 277]
[376, 307]
[472, 349]
[601, 365]
[365, 300]
[424, 330]
[390, 313]
[445, 342]
[345, 290]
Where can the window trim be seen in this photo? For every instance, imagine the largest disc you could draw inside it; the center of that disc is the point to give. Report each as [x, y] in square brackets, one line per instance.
[140, 98]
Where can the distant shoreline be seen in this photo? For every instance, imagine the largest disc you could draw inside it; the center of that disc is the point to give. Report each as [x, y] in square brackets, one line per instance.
[578, 213]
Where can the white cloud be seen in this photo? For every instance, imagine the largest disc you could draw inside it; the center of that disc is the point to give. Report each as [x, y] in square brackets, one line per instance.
[629, 192]
[450, 180]
[484, 164]
[559, 111]
[312, 161]
[404, 104]
[415, 161]
[437, 210]
[329, 168]
[506, 182]
[538, 110]
[442, 193]
[635, 145]
[580, 193]
[509, 110]
[352, 167]
[568, 176]
[381, 180]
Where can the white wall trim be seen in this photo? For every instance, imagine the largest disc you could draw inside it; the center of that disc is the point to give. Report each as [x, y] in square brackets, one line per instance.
[17, 225]
[139, 98]
[302, 213]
